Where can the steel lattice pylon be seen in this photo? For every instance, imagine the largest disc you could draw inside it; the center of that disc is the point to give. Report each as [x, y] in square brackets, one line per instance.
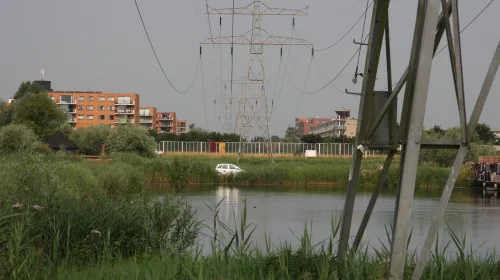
[254, 86]
[378, 129]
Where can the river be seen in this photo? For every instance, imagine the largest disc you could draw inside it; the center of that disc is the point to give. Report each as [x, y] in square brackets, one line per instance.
[281, 214]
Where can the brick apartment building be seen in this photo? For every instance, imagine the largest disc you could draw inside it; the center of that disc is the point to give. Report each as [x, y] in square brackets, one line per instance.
[343, 124]
[147, 117]
[98, 108]
[303, 126]
[181, 126]
[90, 108]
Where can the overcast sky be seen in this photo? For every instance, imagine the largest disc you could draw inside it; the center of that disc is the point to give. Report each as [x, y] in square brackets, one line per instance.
[101, 46]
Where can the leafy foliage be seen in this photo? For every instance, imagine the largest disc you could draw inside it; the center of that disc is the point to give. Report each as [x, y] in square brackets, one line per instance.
[39, 113]
[16, 138]
[27, 88]
[130, 139]
[90, 139]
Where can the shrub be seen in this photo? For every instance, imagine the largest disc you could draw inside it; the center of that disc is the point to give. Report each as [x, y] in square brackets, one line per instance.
[18, 138]
[90, 139]
[131, 139]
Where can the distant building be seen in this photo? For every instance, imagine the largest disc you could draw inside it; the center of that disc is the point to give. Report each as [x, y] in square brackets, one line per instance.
[181, 126]
[98, 108]
[341, 125]
[60, 142]
[303, 126]
[497, 133]
[166, 122]
[147, 117]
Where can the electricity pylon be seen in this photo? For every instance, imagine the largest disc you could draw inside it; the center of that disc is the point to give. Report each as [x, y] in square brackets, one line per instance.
[256, 38]
[378, 127]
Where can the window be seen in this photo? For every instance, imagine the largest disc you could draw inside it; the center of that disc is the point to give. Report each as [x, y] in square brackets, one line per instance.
[90, 98]
[90, 117]
[111, 108]
[111, 117]
[100, 108]
[224, 166]
[111, 99]
[80, 117]
[81, 98]
[80, 107]
[102, 98]
[102, 117]
[90, 108]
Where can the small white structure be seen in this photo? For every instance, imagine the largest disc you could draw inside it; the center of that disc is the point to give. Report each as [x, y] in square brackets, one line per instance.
[311, 153]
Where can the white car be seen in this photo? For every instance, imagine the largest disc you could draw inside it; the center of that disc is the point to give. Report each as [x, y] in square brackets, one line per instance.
[227, 168]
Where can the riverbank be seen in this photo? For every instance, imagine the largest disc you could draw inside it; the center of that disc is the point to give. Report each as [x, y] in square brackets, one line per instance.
[289, 171]
[67, 218]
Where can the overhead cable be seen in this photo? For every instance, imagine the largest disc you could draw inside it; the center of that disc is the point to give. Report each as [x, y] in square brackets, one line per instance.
[158, 60]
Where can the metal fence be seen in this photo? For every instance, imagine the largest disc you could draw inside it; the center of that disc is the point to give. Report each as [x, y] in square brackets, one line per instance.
[257, 148]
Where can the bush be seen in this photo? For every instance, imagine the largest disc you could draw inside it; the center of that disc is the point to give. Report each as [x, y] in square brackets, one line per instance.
[90, 139]
[131, 139]
[18, 138]
[122, 139]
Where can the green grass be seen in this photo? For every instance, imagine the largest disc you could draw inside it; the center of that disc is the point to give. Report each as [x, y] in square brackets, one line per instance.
[96, 221]
[234, 256]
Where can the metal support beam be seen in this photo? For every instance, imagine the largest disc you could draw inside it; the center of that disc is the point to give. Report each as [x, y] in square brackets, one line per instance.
[378, 20]
[373, 200]
[440, 144]
[439, 213]
[416, 90]
[483, 94]
[450, 184]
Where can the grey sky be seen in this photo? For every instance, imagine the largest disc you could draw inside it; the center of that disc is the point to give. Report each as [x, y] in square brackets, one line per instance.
[100, 45]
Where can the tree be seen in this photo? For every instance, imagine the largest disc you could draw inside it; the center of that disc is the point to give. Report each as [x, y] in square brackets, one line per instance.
[90, 139]
[191, 126]
[166, 136]
[6, 113]
[275, 138]
[39, 113]
[312, 138]
[131, 139]
[484, 133]
[26, 88]
[153, 133]
[16, 138]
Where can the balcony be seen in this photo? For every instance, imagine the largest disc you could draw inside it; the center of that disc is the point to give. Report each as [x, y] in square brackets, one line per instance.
[123, 121]
[125, 102]
[162, 124]
[145, 114]
[124, 112]
[68, 101]
[166, 118]
[145, 121]
[71, 120]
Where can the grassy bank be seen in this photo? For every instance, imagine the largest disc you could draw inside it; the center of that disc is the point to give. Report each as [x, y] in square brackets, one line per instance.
[67, 218]
[318, 171]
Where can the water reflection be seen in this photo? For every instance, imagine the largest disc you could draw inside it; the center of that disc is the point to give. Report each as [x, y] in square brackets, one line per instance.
[282, 214]
[229, 199]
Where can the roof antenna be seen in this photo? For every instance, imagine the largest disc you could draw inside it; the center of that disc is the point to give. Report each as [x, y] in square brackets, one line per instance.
[42, 74]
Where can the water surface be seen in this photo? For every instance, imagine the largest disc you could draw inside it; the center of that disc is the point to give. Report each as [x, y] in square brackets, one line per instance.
[281, 213]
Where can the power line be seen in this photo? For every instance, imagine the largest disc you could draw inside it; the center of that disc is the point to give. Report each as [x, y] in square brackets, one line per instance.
[348, 31]
[209, 24]
[203, 91]
[359, 52]
[305, 84]
[158, 60]
[333, 79]
[463, 29]
[232, 64]
[283, 80]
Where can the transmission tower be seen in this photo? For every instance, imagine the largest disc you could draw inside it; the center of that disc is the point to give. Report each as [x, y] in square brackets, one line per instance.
[250, 113]
[378, 127]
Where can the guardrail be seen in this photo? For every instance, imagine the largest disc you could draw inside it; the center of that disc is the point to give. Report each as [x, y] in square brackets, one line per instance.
[258, 148]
